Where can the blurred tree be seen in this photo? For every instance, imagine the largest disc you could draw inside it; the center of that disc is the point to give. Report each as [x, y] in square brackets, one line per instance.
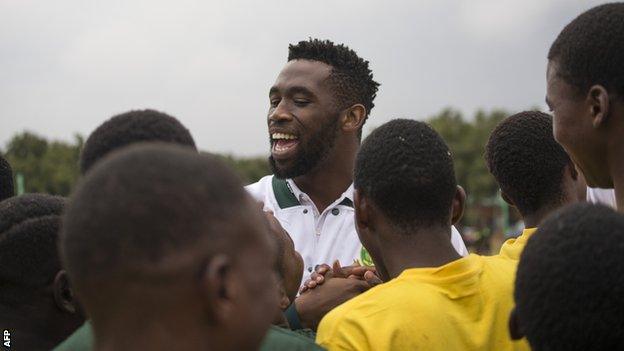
[467, 139]
[249, 169]
[47, 167]
[52, 166]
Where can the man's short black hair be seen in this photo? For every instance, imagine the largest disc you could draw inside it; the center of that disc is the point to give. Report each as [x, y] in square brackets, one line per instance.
[570, 281]
[29, 226]
[132, 127]
[590, 49]
[351, 77]
[6, 179]
[406, 168]
[527, 162]
[144, 206]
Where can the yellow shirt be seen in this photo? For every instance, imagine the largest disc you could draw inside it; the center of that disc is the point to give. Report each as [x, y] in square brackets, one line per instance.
[463, 305]
[512, 248]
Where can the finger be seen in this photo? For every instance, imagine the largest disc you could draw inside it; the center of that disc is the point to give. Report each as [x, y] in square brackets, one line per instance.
[338, 272]
[303, 289]
[372, 279]
[358, 270]
[322, 268]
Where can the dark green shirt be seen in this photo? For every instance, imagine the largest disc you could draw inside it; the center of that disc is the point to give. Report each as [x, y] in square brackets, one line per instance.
[276, 339]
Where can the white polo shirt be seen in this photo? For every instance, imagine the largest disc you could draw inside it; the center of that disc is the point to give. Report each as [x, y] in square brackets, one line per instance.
[319, 237]
[602, 196]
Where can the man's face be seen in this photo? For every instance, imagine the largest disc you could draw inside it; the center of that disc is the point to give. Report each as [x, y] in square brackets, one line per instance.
[303, 118]
[573, 129]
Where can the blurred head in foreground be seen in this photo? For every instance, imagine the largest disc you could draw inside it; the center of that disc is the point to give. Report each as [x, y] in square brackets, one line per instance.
[36, 302]
[570, 282]
[162, 242]
[129, 128]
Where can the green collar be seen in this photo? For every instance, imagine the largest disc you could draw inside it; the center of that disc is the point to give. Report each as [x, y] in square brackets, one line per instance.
[285, 197]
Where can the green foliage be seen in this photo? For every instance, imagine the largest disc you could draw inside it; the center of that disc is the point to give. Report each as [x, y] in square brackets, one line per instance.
[467, 139]
[52, 166]
[47, 166]
[249, 169]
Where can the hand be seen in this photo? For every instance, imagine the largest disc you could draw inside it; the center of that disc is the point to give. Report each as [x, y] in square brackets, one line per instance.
[355, 271]
[313, 305]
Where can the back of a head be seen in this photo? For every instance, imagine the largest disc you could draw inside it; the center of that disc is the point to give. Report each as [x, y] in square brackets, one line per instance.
[129, 128]
[527, 162]
[143, 206]
[141, 233]
[406, 168]
[29, 261]
[6, 179]
[590, 49]
[570, 281]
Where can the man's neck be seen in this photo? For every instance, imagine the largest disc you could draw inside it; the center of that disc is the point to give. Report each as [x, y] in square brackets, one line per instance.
[534, 219]
[426, 247]
[332, 177]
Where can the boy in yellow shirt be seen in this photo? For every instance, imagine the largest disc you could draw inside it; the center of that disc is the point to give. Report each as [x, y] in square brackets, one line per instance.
[406, 200]
[533, 171]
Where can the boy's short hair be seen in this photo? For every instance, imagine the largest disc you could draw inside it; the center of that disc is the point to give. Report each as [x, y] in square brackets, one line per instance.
[406, 168]
[145, 203]
[6, 179]
[526, 161]
[129, 128]
[570, 281]
[29, 226]
[590, 49]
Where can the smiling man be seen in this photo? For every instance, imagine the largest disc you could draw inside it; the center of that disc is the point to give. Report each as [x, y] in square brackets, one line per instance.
[318, 106]
[585, 89]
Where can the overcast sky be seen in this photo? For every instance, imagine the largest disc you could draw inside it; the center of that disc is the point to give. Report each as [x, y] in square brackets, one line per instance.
[66, 66]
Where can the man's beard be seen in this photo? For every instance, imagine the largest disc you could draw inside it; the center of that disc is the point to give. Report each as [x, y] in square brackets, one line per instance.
[311, 154]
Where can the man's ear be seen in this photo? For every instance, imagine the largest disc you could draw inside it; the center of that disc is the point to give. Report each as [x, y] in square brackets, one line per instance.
[353, 118]
[515, 329]
[217, 288]
[459, 201]
[63, 294]
[363, 214]
[599, 105]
